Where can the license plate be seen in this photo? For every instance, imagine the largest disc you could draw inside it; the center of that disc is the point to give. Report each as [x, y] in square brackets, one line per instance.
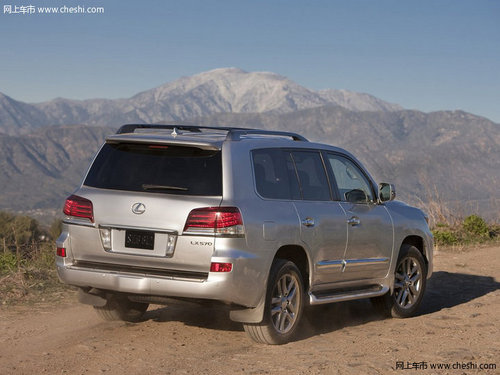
[139, 239]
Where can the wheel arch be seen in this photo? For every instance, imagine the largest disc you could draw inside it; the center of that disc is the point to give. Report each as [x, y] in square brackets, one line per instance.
[418, 242]
[299, 257]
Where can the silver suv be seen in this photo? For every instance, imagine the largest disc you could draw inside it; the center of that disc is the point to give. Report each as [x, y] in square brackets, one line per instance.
[263, 221]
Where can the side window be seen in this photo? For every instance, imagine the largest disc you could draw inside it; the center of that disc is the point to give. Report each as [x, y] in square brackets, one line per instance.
[312, 176]
[274, 174]
[352, 184]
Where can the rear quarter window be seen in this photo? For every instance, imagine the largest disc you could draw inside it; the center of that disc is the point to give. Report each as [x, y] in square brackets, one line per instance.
[157, 169]
[275, 176]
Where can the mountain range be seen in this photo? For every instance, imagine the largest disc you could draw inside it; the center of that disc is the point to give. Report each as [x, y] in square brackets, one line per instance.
[451, 157]
[226, 90]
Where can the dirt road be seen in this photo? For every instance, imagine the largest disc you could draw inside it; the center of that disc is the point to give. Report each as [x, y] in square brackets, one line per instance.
[458, 326]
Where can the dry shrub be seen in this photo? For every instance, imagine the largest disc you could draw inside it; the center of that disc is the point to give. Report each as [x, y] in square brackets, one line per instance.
[27, 262]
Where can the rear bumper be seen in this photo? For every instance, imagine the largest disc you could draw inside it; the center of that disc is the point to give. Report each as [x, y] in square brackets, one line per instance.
[184, 275]
[226, 287]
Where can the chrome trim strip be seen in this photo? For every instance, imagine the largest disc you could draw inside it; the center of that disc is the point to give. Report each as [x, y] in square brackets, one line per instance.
[337, 263]
[139, 272]
[366, 260]
[125, 227]
[330, 263]
[145, 255]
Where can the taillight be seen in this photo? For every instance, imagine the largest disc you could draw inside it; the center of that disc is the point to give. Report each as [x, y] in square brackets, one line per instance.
[220, 220]
[61, 251]
[79, 207]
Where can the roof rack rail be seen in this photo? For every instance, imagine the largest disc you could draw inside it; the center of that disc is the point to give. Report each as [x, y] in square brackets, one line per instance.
[233, 133]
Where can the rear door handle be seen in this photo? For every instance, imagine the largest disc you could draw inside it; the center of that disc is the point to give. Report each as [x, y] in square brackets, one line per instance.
[308, 222]
[354, 221]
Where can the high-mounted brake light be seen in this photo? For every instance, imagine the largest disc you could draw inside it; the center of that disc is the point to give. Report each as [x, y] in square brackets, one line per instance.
[79, 207]
[211, 220]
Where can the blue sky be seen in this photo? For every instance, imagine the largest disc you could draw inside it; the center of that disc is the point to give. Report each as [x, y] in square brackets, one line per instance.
[426, 55]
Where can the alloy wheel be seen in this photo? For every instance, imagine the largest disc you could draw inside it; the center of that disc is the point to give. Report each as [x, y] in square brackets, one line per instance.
[285, 303]
[408, 282]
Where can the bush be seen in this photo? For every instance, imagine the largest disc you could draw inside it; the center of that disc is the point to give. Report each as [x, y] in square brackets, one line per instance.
[475, 225]
[445, 237]
[18, 231]
[473, 229]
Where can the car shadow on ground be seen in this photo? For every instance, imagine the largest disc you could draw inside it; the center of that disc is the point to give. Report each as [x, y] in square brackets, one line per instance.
[447, 289]
[444, 290]
[207, 315]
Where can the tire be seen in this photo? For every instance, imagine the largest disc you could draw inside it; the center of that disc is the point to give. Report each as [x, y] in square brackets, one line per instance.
[121, 308]
[410, 278]
[283, 306]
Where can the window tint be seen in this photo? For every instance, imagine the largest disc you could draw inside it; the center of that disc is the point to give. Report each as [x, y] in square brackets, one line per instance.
[352, 184]
[157, 169]
[275, 176]
[312, 176]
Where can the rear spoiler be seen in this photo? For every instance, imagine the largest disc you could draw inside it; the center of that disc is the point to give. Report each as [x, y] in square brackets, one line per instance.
[158, 139]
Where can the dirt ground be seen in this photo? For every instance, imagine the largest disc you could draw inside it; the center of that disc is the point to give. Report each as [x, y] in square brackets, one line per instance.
[458, 326]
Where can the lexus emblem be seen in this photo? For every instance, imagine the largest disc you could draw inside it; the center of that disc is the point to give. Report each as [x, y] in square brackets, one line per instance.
[138, 208]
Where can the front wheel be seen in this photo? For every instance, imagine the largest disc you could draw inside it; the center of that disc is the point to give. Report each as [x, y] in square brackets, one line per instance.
[283, 308]
[409, 285]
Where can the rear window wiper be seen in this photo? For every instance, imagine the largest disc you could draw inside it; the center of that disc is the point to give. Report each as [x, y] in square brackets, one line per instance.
[163, 187]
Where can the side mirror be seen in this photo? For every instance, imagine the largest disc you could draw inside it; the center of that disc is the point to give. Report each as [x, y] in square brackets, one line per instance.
[386, 192]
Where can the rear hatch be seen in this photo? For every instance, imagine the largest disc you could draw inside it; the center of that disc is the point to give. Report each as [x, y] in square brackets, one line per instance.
[141, 195]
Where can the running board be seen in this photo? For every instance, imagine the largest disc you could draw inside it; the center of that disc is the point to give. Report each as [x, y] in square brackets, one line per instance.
[340, 296]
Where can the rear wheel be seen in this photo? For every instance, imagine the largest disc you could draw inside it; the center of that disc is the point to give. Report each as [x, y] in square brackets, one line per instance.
[409, 285]
[121, 308]
[283, 308]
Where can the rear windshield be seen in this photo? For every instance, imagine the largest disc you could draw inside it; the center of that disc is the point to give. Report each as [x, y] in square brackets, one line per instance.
[157, 169]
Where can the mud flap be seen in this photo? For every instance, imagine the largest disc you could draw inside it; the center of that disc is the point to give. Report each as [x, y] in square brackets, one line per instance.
[251, 315]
